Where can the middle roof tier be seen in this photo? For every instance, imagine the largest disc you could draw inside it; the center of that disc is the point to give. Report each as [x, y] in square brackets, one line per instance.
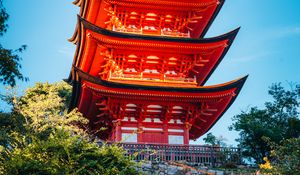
[148, 60]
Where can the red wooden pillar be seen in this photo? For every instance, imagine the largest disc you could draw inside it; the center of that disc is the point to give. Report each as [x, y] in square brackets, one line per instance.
[140, 132]
[165, 131]
[186, 135]
[118, 132]
[166, 120]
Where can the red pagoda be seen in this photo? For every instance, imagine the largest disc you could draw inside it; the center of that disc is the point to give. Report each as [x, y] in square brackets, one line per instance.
[140, 67]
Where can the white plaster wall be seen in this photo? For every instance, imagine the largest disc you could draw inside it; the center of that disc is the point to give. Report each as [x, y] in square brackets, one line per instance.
[127, 137]
[175, 139]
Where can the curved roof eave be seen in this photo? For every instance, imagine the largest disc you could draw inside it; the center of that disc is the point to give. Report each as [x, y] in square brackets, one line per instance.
[227, 107]
[238, 83]
[228, 36]
[212, 19]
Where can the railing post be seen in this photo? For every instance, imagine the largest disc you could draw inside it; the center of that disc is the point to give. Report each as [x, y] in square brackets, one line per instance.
[212, 156]
[172, 154]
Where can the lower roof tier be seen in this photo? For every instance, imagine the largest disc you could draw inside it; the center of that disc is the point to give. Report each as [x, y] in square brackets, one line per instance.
[103, 102]
[179, 18]
[146, 60]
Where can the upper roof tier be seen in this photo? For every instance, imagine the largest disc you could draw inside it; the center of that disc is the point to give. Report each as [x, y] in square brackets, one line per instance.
[131, 58]
[178, 18]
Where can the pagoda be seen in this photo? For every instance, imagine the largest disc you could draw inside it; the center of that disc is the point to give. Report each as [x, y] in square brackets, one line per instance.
[140, 67]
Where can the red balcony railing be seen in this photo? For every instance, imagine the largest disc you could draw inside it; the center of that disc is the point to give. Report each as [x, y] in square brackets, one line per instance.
[195, 154]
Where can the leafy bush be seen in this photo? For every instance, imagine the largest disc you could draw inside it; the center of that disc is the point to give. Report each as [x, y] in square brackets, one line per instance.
[39, 136]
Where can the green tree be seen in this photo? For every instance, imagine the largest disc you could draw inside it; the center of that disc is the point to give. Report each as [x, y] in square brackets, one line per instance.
[39, 136]
[9, 59]
[210, 139]
[214, 141]
[286, 157]
[279, 120]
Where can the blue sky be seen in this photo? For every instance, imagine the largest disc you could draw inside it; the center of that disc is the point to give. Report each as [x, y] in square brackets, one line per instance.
[267, 46]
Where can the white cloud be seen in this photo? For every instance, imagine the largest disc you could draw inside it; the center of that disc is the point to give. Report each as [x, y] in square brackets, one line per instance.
[66, 51]
[282, 32]
[253, 57]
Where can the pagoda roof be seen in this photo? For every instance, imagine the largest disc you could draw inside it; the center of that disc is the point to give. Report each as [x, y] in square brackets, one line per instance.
[95, 10]
[200, 89]
[88, 33]
[219, 96]
[85, 24]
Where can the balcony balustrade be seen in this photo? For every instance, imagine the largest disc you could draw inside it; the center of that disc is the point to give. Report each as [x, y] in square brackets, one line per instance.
[193, 154]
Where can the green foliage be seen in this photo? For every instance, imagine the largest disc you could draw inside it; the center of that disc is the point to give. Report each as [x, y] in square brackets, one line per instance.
[3, 18]
[279, 120]
[40, 137]
[9, 59]
[44, 107]
[214, 141]
[63, 153]
[286, 157]
[210, 139]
